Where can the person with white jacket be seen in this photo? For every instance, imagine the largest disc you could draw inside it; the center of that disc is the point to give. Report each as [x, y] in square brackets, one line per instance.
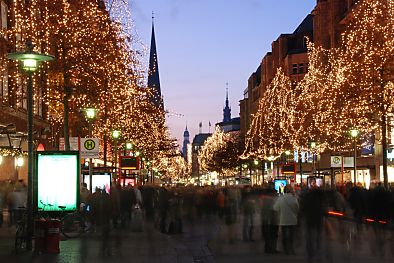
[287, 208]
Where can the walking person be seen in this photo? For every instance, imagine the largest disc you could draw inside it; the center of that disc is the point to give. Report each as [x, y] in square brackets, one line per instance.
[269, 220]
[163, 205]
[287, 208]
[313, 207]
[248, 211]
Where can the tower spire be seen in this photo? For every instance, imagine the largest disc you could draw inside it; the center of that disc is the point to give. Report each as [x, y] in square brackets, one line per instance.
[227, 108]
[153, 75]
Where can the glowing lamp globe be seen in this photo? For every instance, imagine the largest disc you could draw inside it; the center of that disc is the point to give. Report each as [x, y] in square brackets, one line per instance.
[90, 113]
[354, 133]
[116, 134]
[129, 146]
[313, 145]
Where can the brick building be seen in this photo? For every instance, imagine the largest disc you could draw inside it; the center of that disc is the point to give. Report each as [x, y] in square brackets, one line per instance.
[324, 27]
[289, 51]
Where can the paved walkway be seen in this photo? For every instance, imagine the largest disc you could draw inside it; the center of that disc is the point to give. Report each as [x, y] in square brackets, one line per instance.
[203, 242]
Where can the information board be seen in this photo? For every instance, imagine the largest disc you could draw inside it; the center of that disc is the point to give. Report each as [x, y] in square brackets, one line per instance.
[57, 178]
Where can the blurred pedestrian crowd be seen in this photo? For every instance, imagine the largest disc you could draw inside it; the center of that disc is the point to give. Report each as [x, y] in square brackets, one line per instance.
[280, 217]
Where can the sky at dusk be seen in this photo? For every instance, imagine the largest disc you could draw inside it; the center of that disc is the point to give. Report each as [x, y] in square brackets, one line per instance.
[204, 44]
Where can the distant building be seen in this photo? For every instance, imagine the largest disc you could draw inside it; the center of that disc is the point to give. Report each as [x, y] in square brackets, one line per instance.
[197, 143]
[186, 142]
[228, 124]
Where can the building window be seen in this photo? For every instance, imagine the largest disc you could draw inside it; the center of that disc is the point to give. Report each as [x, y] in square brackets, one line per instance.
[301, 68]
[295, 69]
[4, 11]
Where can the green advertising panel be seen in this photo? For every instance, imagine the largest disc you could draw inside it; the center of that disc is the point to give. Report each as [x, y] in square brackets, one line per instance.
[57, 180]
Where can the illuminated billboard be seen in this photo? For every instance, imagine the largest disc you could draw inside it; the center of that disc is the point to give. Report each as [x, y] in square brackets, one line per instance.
[57, 180]
[101, 181]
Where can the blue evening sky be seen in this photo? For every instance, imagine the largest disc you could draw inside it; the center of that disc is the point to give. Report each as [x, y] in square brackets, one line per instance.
[204, 44]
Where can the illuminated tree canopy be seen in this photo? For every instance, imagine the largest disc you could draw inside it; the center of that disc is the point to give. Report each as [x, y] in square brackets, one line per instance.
[96, 65]
[346, 87]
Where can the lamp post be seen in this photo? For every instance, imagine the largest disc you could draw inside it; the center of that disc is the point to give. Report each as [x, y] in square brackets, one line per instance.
[115, 136]
[354, 134]
[30, 61]
[90, 115]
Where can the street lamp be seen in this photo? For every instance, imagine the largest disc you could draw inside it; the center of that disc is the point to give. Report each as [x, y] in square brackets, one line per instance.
[30, 61]
[115, 136]
[354, 134]
[90, 115]
[129, 146]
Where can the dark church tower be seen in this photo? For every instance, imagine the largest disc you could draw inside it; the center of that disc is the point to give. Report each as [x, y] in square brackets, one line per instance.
[153, 75]
[227, 110]
[186, 142]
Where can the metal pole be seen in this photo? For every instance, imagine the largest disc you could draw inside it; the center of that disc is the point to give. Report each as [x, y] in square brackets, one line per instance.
[90, 162]
[30, 162]
[355, 164]
[300, 154]
[116, 159]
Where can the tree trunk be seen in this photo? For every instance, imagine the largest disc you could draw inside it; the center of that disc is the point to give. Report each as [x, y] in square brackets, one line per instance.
[67, 93]
[384, 133]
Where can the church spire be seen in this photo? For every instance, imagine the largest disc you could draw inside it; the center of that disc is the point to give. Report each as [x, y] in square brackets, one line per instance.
[153, 75]
[227, 108]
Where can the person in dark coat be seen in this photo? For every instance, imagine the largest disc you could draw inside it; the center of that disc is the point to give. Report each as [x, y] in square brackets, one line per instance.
[149, 197]
[269, 220]
[163, 204]
[127, 198]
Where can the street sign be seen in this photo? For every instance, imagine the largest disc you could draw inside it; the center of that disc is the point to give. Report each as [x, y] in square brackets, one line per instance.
[89, 148]
[74, 144]
[336, 162]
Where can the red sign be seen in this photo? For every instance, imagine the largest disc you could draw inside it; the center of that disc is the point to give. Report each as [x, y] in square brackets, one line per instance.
[129, 163]
[289, 168]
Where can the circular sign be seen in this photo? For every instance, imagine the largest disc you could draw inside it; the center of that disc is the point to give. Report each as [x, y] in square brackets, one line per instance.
[89, 145]
[336, 160]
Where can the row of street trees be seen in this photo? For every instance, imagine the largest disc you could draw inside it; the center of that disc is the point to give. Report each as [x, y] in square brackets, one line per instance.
[346, 87]
[349, 87]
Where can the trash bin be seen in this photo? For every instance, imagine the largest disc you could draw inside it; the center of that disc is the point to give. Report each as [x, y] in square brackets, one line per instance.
[40, 226]
[52, 236]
